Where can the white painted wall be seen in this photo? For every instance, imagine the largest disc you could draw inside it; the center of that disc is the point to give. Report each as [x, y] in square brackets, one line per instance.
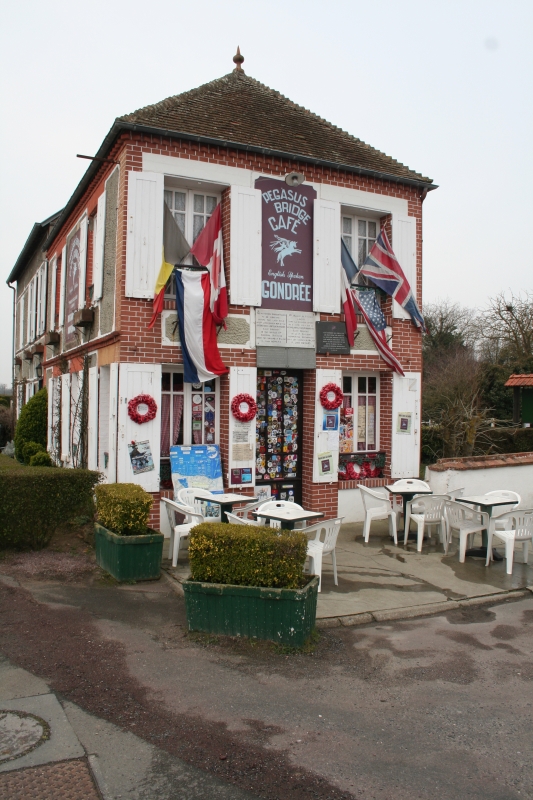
[351, 505]
[478, 481]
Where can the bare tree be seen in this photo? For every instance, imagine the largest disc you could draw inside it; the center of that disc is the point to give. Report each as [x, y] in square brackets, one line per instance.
[506, 331]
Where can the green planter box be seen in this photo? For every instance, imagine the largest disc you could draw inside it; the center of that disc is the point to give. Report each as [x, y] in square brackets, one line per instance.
[286, 616]
[129, 558]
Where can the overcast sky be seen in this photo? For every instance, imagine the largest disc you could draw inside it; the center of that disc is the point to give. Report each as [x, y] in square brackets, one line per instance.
[442, 86]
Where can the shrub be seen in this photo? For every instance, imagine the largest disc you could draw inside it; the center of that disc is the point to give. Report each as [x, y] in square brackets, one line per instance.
[247, 555]
[32, 423]
[123, 508]
[36, 500]
[30, 449]
[41, 459]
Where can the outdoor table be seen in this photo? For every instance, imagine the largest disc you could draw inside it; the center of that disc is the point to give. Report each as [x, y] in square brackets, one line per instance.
[226, 501]
[288, 516]
[486, 504]
[407, 496]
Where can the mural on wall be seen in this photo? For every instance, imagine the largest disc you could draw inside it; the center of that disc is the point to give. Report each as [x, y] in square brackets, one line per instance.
[72, 288]
[287, 249]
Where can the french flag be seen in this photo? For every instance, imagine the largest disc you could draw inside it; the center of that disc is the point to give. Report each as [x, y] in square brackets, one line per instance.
[201, 358]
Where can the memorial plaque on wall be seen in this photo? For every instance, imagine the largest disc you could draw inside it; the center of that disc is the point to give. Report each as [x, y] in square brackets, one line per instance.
[331, 338]
[284, 329]
[287, 249]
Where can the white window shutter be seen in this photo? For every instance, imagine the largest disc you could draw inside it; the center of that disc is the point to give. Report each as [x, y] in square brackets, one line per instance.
[92, 420]
[327, 257]
[65, 417]
[113, 424]
[144, 239]
[44, 286]
[405, 447]
[245, 247]
[50, 419]
[51, 323]
[242, 380]
[98, 252]
[323, 440]
[404, 247]
[83, 262]
[136, 379]
[62, 290]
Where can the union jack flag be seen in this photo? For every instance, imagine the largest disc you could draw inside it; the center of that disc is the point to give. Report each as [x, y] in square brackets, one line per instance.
[383, 269]
[372, 314]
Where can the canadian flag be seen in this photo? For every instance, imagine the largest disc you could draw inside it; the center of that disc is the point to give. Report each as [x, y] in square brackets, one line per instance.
[207, 250]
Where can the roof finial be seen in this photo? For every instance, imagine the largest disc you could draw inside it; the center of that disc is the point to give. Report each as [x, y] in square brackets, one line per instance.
[238, 59]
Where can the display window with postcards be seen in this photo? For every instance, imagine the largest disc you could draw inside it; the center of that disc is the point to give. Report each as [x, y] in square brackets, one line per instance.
[189, 415]
[359, 423]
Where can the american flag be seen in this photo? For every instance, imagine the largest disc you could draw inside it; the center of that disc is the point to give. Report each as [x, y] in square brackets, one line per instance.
[367, 303]
[383, 269]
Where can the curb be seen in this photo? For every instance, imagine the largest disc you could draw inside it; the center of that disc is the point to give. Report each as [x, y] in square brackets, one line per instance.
[98, 777]
[397, 614]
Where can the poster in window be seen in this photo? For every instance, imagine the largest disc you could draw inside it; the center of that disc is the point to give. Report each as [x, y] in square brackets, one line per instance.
[361, 423]
[404, 422]
[371, 423]
[72, 288]
[141, 457]
[287, 249]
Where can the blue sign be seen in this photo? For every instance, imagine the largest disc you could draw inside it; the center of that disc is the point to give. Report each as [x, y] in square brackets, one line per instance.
[197, 466]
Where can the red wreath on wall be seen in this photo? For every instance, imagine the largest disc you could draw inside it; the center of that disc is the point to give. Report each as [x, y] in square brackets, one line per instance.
[330, 403]
[142, 399]
[241, 414]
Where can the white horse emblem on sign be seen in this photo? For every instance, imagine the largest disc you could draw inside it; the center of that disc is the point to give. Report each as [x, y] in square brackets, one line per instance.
[284, 248]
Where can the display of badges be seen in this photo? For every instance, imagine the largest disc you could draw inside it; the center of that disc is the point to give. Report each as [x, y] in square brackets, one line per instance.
[277, 433]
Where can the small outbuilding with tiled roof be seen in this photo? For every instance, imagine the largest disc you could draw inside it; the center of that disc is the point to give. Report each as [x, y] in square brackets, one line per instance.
[522, 398]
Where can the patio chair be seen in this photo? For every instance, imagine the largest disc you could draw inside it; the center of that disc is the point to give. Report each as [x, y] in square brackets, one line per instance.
[500, 520]
[466, 521]
[271, 505]
[190, 497]
[182, 530]
[244, 511]
[453, 494]
[521, 530]
[378, 506]
[241, 520]
[427, 511]
[409, 484]
[317, 549]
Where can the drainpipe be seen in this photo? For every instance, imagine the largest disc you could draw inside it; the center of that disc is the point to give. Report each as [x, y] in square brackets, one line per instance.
[14, 400]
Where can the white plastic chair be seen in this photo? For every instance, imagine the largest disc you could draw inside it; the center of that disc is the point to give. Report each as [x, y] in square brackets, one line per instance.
[317, 549]
[272, 505]
[428, 512]
[503, 511]
[244, 511]
[241, 520]
[453, 494]
[466, 521]
[377, 506]
[521, 530]
[191, 497]
[407, 485]
[181, 531]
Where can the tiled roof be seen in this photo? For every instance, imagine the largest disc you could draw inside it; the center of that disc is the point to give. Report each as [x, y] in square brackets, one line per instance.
[240, 110]
[520, 380]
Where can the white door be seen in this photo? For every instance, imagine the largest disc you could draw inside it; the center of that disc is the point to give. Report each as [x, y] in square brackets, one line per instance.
[405, 451]
[242, 380]
[326, 441]
[135, 380]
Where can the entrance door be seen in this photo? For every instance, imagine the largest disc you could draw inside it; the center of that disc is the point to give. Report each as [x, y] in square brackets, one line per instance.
[279, 418]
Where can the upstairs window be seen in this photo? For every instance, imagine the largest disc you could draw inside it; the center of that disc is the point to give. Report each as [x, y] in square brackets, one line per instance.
[359, 235]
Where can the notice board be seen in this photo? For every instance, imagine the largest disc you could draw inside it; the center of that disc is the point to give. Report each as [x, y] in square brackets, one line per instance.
[197, 466]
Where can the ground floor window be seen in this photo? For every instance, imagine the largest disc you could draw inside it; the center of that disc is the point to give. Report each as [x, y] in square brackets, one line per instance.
[189, 415]
[359, 428]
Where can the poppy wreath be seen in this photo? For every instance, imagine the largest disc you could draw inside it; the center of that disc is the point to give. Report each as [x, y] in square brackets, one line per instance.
[336, 401]
[142, 399]
[237, 411]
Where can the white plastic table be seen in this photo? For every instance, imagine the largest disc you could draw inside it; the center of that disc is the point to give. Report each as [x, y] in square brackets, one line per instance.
[486, 502]
[226, 501]
[288, 516]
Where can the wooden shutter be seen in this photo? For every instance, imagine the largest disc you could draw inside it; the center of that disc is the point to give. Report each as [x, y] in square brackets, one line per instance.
[92, 420]
[52, 308]
[136, 379]
[113, 423]
[62, 291]
[43, 293]
[242, 380]
[404, 246]
[405, 450]
[323, 439]
[144, 240]
[65, 417]
[245, 248]
[327, 257]
[98, 253]
[83, 262]
[50, 419]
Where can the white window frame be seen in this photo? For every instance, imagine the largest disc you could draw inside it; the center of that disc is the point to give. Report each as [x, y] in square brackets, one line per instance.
[355, 218]
[354, 375]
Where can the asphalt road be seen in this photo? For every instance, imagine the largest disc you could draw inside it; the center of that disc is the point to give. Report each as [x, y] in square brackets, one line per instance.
[436, 707]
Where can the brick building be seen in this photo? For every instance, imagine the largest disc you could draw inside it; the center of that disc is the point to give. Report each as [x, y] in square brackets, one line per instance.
[236, 142]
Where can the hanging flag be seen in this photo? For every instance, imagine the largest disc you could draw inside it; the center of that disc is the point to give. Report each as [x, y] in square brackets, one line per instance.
[198, 337]
[348, 263]
[372, 314]
[350, 317]
[207, 250]
[383, 269]
[175, 248]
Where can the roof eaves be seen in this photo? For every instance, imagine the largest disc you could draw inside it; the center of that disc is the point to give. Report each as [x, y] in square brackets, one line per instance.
[37, 235]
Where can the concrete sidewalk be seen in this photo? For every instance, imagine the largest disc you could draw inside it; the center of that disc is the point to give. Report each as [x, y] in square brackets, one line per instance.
[379, 581]
[51, 749]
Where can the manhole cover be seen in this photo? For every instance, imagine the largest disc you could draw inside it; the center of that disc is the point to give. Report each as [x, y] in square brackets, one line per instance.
[20, 733]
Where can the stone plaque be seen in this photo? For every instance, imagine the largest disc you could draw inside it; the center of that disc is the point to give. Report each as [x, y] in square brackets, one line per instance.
[285, 329]
[331, 338]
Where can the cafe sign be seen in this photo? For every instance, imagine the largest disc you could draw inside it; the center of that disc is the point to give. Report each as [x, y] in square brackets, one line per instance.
[287, 246]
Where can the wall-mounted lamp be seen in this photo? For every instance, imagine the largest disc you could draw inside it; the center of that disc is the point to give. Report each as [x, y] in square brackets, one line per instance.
[39, 371]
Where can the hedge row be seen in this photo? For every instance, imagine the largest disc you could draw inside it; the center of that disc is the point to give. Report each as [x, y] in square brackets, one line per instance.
[247, 555]
[123, 508]
[34, 501]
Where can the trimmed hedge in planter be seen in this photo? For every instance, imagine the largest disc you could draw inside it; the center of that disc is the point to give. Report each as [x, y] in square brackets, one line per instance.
[129, 558]
[123, 508]
[247, 555]
[36, 500]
